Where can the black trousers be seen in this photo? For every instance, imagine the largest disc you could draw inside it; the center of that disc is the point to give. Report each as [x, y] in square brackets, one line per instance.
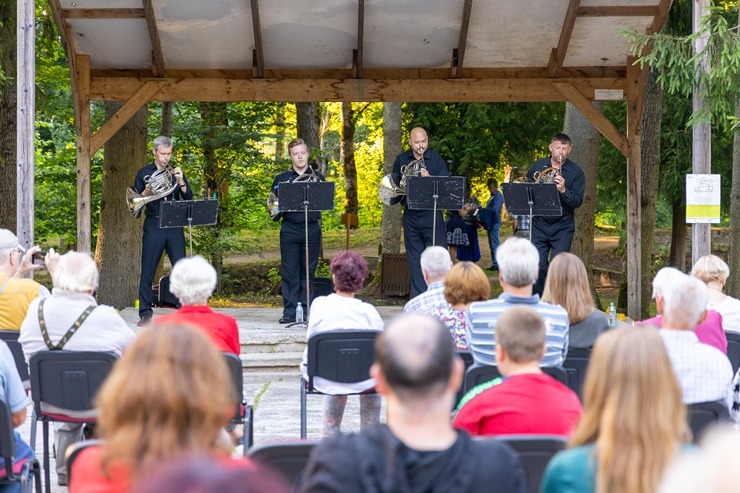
[550, 238]
[417, 236]
[293, 263]
[154, 242]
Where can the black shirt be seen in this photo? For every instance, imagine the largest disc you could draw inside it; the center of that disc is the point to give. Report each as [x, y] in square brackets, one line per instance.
[433, 162]
[294, 217]
[152, 208]
[575, 183]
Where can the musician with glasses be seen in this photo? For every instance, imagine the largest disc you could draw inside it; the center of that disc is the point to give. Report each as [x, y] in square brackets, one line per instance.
[156, 240]
[552, 235]
[293, 234]
[419, 224]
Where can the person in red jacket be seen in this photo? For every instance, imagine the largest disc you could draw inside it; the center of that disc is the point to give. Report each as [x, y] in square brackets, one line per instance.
[193, 280]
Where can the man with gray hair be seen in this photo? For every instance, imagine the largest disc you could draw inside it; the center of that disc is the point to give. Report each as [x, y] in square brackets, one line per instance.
[16, 293]
[518, 262]
[418, 450]
[703, 372]
[435, 263]
[71, 313]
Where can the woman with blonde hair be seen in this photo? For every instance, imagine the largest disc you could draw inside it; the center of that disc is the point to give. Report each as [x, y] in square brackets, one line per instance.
[634, 421]
[567, 286]
[464, 283]
[169, 395]
[714, 272]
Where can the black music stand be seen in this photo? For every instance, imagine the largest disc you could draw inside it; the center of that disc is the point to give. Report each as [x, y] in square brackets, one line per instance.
[532, 199]
[306, 196]
[434, 193]
[181, 213]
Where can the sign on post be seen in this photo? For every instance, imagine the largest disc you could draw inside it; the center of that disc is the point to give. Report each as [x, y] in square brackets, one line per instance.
[702, 198]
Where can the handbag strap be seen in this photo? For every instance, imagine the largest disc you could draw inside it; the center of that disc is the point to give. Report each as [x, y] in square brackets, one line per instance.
[68, 335]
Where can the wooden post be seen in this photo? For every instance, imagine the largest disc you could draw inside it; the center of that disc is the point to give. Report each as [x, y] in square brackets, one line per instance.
[26, 115]
[701, 156]
[81, 97]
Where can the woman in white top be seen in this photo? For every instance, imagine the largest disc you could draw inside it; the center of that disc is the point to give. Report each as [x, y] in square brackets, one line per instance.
[714, 272]
[342, 311]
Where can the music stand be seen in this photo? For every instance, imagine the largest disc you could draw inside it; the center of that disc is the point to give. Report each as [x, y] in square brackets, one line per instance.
[181, 213]
[433, 193]
[306, 196]
[532, 199]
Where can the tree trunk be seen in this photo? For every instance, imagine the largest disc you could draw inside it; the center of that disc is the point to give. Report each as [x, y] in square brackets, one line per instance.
[650, 152]
[280, 132]
[119, 235]
[390, 235]
[585, 152]
[307, 116]
[679, 231]
[347, 151]
[166, 127]
[733, 253]
[8, 117]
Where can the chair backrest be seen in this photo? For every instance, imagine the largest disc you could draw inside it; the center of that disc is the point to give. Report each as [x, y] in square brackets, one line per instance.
[7, 440]
[703, 414]
[237, 377]
[476, 375]
[11, 339]
[576, 364]
[322, 286]
[287, 459]
[467, 357]
[534, 452]
[68, 379]
[343, 356]
[733, 349]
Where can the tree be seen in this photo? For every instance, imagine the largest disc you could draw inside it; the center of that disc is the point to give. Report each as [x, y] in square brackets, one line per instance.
[8, 118]
[733, 253]
[390, 235]
[348, 158]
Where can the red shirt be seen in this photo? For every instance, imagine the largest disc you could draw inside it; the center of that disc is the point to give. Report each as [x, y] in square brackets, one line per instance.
[222, 329]
[529, 404]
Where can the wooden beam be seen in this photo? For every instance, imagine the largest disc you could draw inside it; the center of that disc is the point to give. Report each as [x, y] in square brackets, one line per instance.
[557, 56]
[26, 119]
[462, 42]
[358, 52]
[151, 24]
[102, 14]
[664, 7]
[580, 101]
[56, 10]
[124, 114]
[81, 101]
[312, 90]
[259, 53]
[619, 11]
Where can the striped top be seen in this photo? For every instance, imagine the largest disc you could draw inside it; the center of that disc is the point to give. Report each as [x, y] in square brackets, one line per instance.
[484, 315]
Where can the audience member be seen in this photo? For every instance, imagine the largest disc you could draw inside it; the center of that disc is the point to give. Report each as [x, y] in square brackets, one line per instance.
[714, 272]
[709, 331]
[567, 285]
[464, 284]
[633, 421]
[418, 450]
[703, 372]
[16, 293]
[518, 262]
[526, 401]
[341, 311]
[178, 405]
[72, 320]
[193, 281]
[435, 263]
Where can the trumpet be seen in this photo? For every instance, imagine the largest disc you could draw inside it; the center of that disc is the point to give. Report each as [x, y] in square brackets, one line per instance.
[388, 189]
[160, 184]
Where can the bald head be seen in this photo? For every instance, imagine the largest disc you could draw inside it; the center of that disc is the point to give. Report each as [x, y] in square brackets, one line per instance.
[418, 141]
[415, 355]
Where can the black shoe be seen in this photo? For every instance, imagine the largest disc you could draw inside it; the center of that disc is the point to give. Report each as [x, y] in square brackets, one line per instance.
[286, 319]
[493, 268]
[145, 321]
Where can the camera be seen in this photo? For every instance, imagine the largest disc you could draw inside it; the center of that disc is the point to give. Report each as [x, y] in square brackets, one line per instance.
[38, 258]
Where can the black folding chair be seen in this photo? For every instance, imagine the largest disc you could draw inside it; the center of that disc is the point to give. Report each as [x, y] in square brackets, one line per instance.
[322, 286]
[467, 357]
[11, 339]
[534, 452]
[476, 375]
[68, 381]
[343, 356]
[733, 349]
[21, 471]
[75, 450]
[702, 415]
[289, 459]
[576, 364]
[243, 413]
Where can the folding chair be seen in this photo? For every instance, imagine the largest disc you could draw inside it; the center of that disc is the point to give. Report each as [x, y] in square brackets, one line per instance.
[343, 356]
[243, 413]
[702, 415]
[476, 375]
[63, 388]
[467, 357]
[289, 459]
[534, 452]
[576, 364]
[733, 349]
[21, 470]
[11, 339]
[75, 450]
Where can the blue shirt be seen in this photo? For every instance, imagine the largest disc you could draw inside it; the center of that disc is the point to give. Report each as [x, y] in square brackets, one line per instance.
[490, 215]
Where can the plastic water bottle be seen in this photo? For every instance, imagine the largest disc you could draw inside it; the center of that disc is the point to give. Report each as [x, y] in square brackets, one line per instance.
[612, 315]
[299, 312]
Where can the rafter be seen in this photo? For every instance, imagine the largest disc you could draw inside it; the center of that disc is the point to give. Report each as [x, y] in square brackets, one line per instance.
[258, 55]
[557, 56]
[619, 11]
[663, 9]
[151, 23]
[357, 53]
[102, 14]
[458, 58]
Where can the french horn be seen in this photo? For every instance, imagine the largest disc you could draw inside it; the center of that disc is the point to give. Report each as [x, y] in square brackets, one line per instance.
[160, 185]
[547, 175]
[273, 202]
[388, 189]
